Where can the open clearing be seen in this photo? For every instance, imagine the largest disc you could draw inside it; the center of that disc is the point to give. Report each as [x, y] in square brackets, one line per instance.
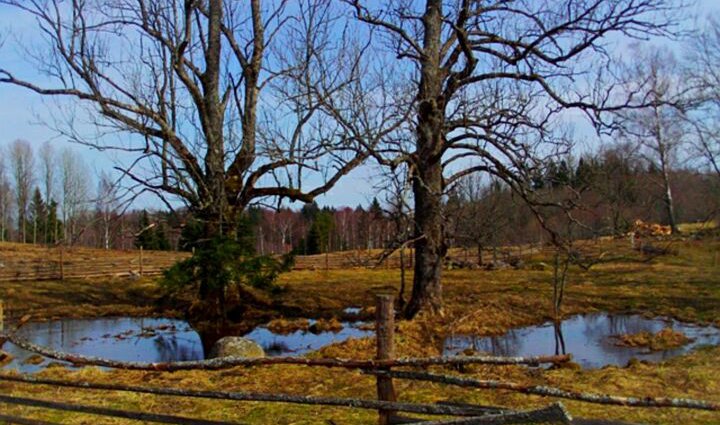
[685, 286]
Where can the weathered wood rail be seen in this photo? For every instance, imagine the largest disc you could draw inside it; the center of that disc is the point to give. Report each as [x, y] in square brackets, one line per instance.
[37, 262]
[383, 367]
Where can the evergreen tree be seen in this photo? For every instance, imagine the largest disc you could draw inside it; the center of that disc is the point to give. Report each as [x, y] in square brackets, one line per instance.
[53, 227]
[583, 174]
[318, 238]
[150, 235]
[36, 225]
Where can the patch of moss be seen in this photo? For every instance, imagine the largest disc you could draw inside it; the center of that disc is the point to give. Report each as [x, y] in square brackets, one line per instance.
[326, 325]
[283, 326]
[665, 339]
[35, 359]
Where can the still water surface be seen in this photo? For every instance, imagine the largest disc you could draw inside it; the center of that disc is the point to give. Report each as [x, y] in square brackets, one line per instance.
[589, 338]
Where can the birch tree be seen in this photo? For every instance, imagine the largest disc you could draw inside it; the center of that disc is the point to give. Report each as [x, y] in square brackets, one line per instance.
[22, 164]
[5, 199]
[48, 173]
[106, 205]
[74, 178]
[661, 128]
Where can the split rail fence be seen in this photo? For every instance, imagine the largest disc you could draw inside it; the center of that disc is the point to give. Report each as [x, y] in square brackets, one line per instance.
[60, 263]
[384, 367]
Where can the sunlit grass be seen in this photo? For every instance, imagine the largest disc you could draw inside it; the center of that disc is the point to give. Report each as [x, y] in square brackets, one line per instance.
[686, 286]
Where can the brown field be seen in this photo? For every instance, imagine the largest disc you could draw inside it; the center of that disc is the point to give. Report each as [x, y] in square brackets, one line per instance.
[685, 286]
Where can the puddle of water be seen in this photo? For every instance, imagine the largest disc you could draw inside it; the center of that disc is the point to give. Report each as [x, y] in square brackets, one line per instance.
[301, 342]
[124, 339]
[352, 311]
[587, 337]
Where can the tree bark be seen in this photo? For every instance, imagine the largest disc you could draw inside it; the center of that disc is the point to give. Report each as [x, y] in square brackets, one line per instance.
[430, 247]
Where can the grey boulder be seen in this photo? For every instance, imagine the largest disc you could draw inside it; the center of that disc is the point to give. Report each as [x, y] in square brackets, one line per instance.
[236, 346]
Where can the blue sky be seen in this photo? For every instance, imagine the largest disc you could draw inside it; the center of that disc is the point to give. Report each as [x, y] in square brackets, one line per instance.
[22, 113]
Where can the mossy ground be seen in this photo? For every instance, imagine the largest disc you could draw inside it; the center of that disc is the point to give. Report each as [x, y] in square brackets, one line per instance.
[686, 286]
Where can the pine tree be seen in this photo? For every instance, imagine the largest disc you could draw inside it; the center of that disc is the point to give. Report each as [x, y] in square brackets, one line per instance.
[38, 217]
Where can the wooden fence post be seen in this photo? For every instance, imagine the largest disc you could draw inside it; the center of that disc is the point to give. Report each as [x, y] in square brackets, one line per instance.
[141, 260]
[385, 332]
[2, 317]
[62, 264]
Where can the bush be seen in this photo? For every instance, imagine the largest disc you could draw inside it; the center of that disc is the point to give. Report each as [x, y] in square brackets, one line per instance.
[224, 268]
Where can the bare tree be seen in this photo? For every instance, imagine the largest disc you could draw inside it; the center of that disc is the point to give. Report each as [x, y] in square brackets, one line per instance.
[5, 200]
[22, 164]
[661, 128]
[489, 80]
[74, 178]
[106, 205]
[703, 64]
[48, 167]
[485, 215]
[186, 78]
[398, 212]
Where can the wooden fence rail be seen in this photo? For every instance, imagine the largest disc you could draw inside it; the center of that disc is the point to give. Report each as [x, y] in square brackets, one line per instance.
[382, 367]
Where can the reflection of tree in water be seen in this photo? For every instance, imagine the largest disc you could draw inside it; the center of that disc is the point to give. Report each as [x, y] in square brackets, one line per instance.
[559, 339]
[633, 324]
[503, 345]
[171, 349]
[276, 348]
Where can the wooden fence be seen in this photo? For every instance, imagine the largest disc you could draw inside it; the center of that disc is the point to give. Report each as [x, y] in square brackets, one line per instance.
[36, 263]
[384, 367]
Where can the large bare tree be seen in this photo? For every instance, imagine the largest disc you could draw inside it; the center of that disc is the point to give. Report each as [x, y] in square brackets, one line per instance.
[489, 80]
[218, 99]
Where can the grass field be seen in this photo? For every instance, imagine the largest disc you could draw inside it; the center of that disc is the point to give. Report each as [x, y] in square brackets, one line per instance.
[685, 286]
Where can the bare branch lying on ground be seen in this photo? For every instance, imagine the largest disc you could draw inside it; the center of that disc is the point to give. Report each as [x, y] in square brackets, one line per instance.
[555, 392]
[432, 409]
[229, 362]
[554, 413]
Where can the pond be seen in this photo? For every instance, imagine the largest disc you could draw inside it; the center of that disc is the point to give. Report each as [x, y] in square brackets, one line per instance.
[153, 340]
[589, 338]
[125, 339]
[303, 341]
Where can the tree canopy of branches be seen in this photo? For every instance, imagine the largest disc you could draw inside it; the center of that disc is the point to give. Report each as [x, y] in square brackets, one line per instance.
[487, 84]
[220, 99]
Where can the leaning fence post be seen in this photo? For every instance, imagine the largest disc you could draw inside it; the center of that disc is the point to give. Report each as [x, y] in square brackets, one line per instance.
[384, 332]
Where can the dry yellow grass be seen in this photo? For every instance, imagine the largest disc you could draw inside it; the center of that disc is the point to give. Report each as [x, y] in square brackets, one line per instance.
[686, 286]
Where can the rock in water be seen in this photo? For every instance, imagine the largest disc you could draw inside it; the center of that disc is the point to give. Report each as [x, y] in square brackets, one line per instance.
[236, 346]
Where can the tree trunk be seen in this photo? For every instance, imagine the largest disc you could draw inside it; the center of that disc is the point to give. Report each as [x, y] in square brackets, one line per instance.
[668, 199]
[430, 247]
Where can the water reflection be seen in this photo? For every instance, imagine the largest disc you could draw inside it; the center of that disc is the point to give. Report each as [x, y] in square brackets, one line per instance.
[124, 339]
[301, 342]
[587, 337]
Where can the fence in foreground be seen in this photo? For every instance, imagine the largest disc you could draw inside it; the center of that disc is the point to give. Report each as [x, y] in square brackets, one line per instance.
[385, 367]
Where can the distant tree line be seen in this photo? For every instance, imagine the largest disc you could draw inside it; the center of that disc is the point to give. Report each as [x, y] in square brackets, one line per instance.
[615, 185]
[47, 197]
